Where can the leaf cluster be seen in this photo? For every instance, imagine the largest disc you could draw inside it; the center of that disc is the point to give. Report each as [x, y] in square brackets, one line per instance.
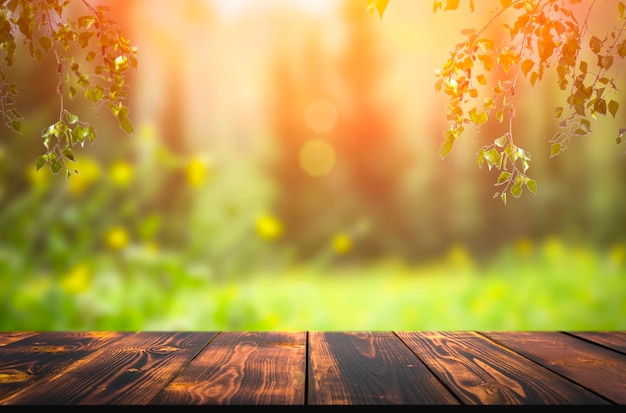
[480, 76]
[542, 35]
[92, 55]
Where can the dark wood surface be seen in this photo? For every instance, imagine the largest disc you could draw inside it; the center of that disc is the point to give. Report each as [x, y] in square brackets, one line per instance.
[314, 368]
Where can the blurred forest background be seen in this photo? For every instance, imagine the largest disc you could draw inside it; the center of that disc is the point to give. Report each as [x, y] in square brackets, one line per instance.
[284, 174]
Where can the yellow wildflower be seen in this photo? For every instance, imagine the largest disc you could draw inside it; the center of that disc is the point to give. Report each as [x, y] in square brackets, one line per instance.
[88, 172]
[197, 171]
[269, 227]
[117, 238]
[342, 243]
[77, 280]
[121, 173]
[38, 178]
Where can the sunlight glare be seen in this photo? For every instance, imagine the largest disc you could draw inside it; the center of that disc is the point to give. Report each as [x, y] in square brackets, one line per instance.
[231, 9]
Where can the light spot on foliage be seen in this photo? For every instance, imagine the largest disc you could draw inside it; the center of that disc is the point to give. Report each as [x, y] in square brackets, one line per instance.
[88, 173]
[197, 171]
[342, 243]
[269, 227]
[121, 173]
[147, 132]
[76, 280]
[38, 178]
[117, 238]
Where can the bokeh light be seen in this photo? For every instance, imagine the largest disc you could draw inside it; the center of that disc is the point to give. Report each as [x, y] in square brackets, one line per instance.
[317, 157]
[284, 174]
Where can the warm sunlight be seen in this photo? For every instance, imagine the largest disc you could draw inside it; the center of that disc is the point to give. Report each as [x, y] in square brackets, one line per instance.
[285, 173]
[231, 9]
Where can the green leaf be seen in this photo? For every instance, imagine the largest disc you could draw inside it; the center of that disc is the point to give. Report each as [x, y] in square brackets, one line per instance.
[503, 177]
[16, 125]
[516, 190]
[55, 167]
[493, 158]
[94, 94]
[480, 157]
[555, 149]
[68, 154]
[478, 118]
[501, 140]
[41, 161]
[531, 184]
[71, 118]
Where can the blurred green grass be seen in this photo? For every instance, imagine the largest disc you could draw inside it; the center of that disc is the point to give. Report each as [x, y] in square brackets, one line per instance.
[525, 286]
[97, 253]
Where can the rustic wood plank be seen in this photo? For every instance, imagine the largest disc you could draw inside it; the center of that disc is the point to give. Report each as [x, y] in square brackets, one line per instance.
[615, 340]
[594, 367]
[481, 372]
[7, 337]
[260, 368]
[369, 368]
[130, 370]
[23, 362]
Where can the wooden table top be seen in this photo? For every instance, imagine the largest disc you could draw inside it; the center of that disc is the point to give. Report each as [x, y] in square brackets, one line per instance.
[311, 367]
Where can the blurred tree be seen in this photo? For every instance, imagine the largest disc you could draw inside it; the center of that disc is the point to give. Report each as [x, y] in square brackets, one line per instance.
[338, 166]
[480, 77]
[92, 58]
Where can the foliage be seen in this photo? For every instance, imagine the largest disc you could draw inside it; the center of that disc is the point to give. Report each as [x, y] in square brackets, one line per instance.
[92, 57]
[548, 285]
[480, 76]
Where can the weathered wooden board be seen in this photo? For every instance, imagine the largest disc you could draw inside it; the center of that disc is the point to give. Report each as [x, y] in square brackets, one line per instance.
[594, 367]
[315, 368]
[479, 371]
[369, 368]
[243, 368]
[129, 370]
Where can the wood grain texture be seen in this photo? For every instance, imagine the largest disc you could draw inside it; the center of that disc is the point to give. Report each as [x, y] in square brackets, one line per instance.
[129, 370]
[615, 340]
[480, 372]
[592, 366]
[369, 368]
[9, 337]
[260, 368]
[316, 368]
[24, 361]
